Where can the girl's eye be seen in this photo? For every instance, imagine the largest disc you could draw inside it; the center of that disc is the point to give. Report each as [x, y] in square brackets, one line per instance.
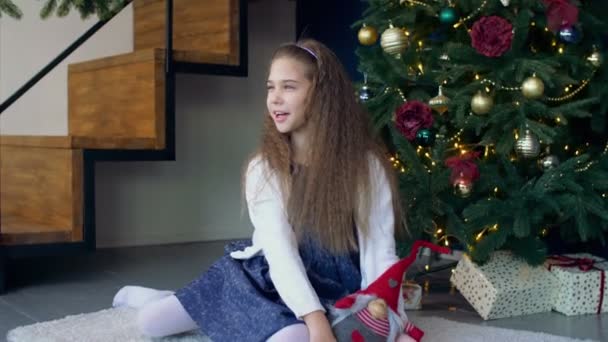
[269, 87]
[290, 87]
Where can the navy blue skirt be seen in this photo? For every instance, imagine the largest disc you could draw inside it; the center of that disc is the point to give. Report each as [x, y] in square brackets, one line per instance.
[235, 300]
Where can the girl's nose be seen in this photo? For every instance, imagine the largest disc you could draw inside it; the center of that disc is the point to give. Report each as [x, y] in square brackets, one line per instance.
[276, 97]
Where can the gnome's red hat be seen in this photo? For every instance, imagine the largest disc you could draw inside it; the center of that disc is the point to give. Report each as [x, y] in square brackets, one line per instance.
[388, 285]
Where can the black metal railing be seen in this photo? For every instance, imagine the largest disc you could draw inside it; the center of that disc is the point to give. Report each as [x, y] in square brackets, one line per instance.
[57, 60]
[90, 156]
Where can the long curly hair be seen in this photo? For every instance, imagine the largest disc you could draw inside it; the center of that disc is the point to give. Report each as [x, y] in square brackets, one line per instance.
[328, 196]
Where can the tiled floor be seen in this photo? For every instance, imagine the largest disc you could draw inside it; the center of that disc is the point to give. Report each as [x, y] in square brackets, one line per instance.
[52, 288]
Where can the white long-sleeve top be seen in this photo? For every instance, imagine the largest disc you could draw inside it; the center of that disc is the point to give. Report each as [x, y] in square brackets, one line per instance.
[274, 237]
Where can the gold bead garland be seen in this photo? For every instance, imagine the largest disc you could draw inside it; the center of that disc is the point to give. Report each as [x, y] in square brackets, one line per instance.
[485, 80]
[461, 21]
[414, 2]
[473, 14]
[401, 94]
[591, 163]
[552, 99]
[572, 94]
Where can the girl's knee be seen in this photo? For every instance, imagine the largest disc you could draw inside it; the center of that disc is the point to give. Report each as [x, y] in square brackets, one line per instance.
[291, 333]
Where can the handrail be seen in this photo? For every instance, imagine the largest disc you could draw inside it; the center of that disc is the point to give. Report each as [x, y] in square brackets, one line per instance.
[169, 37]
[169, 82]
[63, 55]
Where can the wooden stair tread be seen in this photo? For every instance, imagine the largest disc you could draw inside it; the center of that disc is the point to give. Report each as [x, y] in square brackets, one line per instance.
[29, 238]
[74, 142]
[200, 26]
[192, 56]
[116, 60]
[10, 226]
[15, 232]
[116, 143]
[40, 190]
[118, 102]
[37, 141]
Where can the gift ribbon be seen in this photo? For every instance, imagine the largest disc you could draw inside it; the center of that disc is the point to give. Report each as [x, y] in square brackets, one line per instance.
[583, 264]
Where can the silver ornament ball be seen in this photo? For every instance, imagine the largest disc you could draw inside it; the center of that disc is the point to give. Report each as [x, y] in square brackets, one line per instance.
[548, 162]
[463, 187]
[394, 41]
[527, 146]
[596, 59]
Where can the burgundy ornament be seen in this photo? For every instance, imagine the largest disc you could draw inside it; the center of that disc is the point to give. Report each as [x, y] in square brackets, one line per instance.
[412, 116]
[560, 13]
[491, 36]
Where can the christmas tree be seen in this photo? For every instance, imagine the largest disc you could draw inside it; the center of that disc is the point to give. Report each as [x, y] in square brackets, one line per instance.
[103, 8]
[495, 111]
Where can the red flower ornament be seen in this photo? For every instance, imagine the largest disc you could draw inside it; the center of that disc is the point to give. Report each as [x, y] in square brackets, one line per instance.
[491, 36]
[560, 13]
[412, 116]
[463, 167]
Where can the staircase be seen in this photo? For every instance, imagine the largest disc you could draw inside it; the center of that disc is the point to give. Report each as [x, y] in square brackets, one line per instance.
[119, 108]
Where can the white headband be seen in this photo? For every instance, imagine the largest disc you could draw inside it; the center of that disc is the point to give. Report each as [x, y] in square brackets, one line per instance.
[308, 50]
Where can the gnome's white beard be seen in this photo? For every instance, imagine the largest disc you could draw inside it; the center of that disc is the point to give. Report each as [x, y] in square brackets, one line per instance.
[338, 315]
[396, 323]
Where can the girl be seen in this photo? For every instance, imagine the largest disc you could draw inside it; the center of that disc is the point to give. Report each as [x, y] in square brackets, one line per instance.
[322, 198]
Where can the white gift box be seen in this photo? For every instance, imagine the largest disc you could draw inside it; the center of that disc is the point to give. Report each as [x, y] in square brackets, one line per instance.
[505, 286]
[580, 288]
[412, 295]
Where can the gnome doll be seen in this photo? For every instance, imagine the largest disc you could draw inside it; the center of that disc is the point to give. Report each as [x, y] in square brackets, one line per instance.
[374, 314]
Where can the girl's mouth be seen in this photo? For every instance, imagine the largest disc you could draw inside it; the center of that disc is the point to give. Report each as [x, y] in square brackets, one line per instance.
[280, 116]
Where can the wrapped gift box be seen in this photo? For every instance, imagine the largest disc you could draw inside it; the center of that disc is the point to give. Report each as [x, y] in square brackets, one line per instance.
[412, 295]
[505, 286]
[580, 286]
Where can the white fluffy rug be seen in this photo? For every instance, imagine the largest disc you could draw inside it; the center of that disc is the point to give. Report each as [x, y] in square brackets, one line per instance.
[119, 325]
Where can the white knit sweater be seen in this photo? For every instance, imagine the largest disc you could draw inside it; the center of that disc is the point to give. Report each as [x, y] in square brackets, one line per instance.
[274, 238]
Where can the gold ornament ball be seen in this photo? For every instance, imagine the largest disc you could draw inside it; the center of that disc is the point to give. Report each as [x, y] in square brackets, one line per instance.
[393, 41]
[533, 88]
[378, 308]
[463, 187]
[481, 103]
[596, 59]
[368, 35]
[527, 146]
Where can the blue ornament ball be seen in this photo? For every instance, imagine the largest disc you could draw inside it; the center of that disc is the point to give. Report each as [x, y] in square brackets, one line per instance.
[437, 36]
[570, 35]
[425, 137]
[365, 94]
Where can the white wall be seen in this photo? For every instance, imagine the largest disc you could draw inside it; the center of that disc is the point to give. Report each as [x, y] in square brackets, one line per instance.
[27, 45]
[218, 119]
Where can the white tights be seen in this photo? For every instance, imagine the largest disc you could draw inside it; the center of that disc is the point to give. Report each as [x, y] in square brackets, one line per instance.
[161, 314]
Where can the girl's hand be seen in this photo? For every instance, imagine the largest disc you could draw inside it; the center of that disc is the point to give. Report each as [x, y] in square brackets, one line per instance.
[319, 327]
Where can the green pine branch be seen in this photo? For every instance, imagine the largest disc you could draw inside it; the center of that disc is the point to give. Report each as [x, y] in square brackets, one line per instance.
[9, 8]
[104, 9]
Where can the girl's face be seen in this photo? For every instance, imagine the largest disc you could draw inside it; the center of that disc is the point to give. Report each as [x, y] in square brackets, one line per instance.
[288, 89]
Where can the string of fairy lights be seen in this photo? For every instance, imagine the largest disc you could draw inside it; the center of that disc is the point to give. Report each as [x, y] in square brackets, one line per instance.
[454, 141]
[440, 234]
